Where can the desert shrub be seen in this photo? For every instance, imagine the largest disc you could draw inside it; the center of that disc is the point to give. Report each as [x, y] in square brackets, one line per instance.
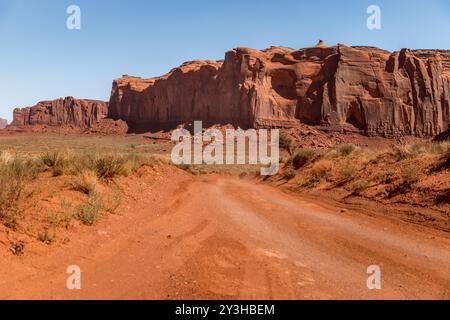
[68, 213]
[443, 162]
[285, 142]
[89, 210]
[45, 237]
[80, 162]
[114, 200]
[331, 154]
[347, 173]
[289, 174]
[85, 182]
[302, 157]
[51, 159]
[321, 168]
[429, 147]
[308, 181]
[359, 186]
[346, 149]
[58, 170]
[109, 167]
[136, 161]
[284, 160]
[410, 174]
[5, 157]
[380, 177]
[14, 175]
[411, 151]
[55, 161]
[400, 153]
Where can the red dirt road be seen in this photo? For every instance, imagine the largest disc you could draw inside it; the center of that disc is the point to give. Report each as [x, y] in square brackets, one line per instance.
[224, 238]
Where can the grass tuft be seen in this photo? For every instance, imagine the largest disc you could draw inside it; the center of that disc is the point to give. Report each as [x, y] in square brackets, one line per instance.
[89, 210]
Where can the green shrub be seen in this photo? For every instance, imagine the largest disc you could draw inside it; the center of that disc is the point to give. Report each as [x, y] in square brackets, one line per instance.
[109, 167]
[85, 182]
[114, 200]
[321, 169]
[289, 174]
[14, 175]
[51, 159]
[347, 173]
[360, 186]
[285, 142]
[346, 150]
[89, 210]
[380, 177]
[410, 174]
[308, 181]
[302, 157]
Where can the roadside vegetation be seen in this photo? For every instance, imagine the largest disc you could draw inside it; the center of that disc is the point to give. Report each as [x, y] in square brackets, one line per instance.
[44, 193]
[77, 181]
[416, 174]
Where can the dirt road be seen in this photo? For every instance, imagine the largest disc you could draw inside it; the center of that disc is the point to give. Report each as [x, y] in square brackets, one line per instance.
[225, 238]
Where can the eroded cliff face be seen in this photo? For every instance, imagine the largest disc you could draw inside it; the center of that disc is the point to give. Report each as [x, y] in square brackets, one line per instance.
[62, 112]
[3, 123]
[355, 88]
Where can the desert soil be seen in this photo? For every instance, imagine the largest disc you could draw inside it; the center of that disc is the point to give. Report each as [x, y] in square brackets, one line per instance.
[216, 237]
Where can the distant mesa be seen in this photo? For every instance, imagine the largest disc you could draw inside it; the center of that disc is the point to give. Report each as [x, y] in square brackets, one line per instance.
[80, 113]
[3, 123]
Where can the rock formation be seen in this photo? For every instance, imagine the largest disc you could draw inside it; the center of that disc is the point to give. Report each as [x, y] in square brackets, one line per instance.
[62, 112]
[361, 89]
[3, 123]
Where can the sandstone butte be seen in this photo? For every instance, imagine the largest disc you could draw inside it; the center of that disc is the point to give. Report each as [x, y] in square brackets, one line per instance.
[3, 123]
[363, 89]
[62, 112]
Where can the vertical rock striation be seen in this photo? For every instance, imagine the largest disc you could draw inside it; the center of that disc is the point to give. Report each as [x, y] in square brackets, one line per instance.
[364, 89]
[62, 112]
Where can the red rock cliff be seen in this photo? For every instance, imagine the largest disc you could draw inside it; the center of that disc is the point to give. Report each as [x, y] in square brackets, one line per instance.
[62, 112]
[359, 88]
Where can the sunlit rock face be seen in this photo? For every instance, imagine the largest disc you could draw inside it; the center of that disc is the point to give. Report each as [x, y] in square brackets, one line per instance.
[361, 89]
[62, 112]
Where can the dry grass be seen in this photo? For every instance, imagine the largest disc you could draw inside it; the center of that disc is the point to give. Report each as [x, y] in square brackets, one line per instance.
[322, 168]
[89, 211]
[85, 182]
[398, 171]
[83, 171]
[346, 150]
[15, 173]
[50, 183]
[289, 174]
[286, 142]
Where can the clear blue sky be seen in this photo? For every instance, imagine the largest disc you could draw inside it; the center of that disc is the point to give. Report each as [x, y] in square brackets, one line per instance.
[41, 59]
